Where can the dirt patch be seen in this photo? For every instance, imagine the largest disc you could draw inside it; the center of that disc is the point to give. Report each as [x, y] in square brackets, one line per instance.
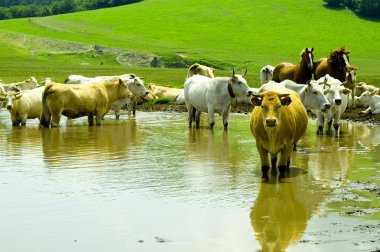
[350, 114]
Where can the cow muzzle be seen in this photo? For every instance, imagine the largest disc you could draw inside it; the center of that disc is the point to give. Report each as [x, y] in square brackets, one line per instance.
[9, 106]
[271, 122]
[326, 107]
[338, 101]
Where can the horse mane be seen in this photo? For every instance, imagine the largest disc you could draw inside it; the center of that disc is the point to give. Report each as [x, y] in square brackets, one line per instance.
[334, 54]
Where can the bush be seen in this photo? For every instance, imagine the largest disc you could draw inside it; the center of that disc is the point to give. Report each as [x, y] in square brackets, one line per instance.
[333, 3]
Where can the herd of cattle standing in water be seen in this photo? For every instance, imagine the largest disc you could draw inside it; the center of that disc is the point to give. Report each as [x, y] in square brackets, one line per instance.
[278, 120]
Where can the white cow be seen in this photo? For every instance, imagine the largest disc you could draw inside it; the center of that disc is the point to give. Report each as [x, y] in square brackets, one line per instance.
[372, 100]
[203, 94]
[23, 105]
[134, 83]
[266, 73]
[311, 94]
[361, 87]
[337, 95]
[27, 84]
[246, 99]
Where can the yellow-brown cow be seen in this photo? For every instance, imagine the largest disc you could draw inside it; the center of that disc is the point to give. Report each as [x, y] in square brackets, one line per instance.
[278, 121]
[79, 100]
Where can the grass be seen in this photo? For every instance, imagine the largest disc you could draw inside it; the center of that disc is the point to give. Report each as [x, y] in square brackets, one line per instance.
[223, 34]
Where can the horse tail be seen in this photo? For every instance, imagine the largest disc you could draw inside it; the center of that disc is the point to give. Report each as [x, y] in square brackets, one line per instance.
[45, 113]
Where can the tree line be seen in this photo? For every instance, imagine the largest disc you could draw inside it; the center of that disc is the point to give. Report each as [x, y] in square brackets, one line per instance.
[39, 8]
[366, 8]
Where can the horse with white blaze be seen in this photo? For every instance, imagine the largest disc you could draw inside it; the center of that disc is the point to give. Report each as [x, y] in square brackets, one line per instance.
[210, 95]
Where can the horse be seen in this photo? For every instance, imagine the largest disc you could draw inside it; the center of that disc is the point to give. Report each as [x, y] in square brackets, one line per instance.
[335, 65]
[299, 73]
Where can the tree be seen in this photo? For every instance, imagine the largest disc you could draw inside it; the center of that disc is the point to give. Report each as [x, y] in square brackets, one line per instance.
[370, 8]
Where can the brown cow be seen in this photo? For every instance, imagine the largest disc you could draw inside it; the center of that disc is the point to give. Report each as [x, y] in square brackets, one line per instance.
[79, 100]
[278, 121]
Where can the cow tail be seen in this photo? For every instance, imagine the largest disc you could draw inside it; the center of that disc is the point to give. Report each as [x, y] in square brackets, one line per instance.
[45, 113]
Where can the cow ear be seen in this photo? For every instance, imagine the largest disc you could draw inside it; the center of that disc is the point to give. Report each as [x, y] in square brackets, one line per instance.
[121, 82]
[285, 99]
[256, 100]
[18, 96]
[346, 91]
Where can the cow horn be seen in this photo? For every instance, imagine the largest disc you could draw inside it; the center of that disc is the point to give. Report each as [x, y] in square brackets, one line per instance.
[283, 95]
[245, 72]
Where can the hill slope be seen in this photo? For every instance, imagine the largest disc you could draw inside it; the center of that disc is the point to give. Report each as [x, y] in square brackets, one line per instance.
[239, 33]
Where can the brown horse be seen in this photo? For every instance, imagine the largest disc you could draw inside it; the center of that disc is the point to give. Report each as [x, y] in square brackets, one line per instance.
[335, 65]
[299, 73]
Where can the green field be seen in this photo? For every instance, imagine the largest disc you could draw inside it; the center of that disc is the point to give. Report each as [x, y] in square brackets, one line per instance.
[223, 34]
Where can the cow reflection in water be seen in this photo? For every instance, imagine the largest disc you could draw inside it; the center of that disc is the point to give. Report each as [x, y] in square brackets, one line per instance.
[76, 145]
[282, 209]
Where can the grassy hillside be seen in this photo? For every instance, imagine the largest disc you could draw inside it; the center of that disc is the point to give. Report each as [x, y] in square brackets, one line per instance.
[224, 34]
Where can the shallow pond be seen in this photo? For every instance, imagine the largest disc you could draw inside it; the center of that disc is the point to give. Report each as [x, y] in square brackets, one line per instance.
[149, 183]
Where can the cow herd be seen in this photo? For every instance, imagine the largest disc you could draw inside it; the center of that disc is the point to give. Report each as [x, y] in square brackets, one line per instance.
[278, 120]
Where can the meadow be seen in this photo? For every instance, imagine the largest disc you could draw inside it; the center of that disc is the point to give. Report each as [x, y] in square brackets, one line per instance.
[223, 34]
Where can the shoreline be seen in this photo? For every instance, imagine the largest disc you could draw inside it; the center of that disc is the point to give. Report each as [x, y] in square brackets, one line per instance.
[350, 114]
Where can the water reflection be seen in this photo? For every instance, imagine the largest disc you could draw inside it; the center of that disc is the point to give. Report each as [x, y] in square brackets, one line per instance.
[282, 210]
[73, 147]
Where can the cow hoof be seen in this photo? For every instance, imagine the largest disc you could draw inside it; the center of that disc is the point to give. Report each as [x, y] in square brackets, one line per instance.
[265, 169]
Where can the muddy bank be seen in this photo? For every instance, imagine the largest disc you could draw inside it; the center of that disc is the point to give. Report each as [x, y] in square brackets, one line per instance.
[350, 114]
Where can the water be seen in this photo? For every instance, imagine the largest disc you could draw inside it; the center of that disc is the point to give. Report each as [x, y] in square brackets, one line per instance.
[149, 183]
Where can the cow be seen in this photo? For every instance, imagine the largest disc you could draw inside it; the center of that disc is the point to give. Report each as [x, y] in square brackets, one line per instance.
[180, 99]
[201, 70]
[337, 95]
[164, 92]
[80, 79]
[266, 73]
[361, 87]
[27, 84]
[311, 94]
[73, 101]
[372, 100]
[277, 122]
[23, 105]
[136, 87]
[203, 94]
[246, 100]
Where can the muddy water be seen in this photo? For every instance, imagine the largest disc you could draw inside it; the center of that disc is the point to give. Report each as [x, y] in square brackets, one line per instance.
[148, 183]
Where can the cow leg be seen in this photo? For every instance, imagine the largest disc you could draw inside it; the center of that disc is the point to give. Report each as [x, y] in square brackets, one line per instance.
[134, 104]
[90, 119]
[197, 118]
[336, 128]
[55, 118]
[321, 122]
[98, 120]
[211, 115]
[225, 118]
[191, 111]
[284, 162]
[117, 114]
[264, 159]
[328, 132]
